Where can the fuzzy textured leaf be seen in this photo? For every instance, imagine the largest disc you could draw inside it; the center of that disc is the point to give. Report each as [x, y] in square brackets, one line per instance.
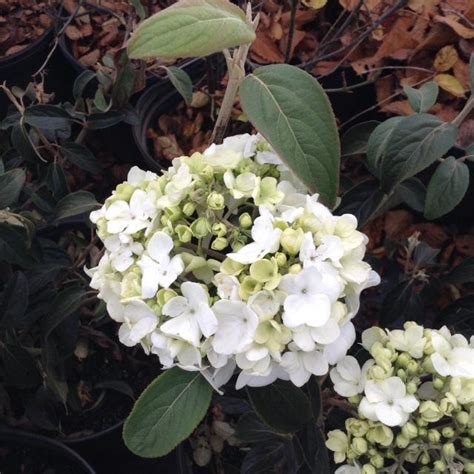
[74, 204]
[181, 81]
[11, 184]
[422, 99]
[167, 412]
[191, 28]
[290, 108]
[355, 139]
[446, 188]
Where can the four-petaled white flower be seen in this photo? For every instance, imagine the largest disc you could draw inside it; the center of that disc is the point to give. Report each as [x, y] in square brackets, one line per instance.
[158, 269]
[227, 286]
[309, 297]
[133, 216]
[410, 340]
[139, 320]
[236, 326]
[348, 378]
[191, 316]
[330, 249]
[122, 248]
[266, 239]
[387, 401]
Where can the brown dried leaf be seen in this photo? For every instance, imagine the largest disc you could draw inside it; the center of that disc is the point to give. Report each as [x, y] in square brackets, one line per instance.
[461, 72]
[264, 49]
[461, 30]
[90, 59]
[73, 33]
[465, 244]
[399, 107]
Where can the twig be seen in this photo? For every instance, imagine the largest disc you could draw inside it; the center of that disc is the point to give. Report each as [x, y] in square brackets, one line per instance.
[464, 112]
[291, 32]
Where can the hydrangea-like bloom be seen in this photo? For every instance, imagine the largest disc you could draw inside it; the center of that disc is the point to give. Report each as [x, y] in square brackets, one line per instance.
[414, 399]
[224, 261]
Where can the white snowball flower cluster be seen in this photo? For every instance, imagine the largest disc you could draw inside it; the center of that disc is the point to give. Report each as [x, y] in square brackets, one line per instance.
[414, 399]
[223, 261]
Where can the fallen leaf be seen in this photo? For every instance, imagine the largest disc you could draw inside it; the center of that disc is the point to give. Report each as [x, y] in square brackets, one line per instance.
[90, 59]
[349, 4]
[264, 49]
[423, 6]
[465, 244]
[315, 4]
[446, 58]
[461, 72]
[399, 107]
[397, 223]
[461, 30]
[450, 84]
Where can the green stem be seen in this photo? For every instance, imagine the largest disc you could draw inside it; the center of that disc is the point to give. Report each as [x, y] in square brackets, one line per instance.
[464, 112]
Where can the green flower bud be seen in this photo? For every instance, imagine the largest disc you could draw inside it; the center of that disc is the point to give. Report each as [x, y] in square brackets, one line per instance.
[439, 466]
[207, 173]
[377, 461]
[404, 359]
[449, 451]
[219, 229]
[355, 399]
[413, 367]
[429, 411]
[281, 259]
[230, 267]
[368, 469]
[448, 404]
[188, 209]
[220, 243]
[380, 434]
[447, 432]
[215, 201]
[200, 227]
[467, 443]
[469, 467]
[356, 427]
[380, 352]
[422, 432]
[291, 240]
[184, 233]
[410, 430]
[123, 192]
[174, 213]
[402, 374]
[359, 446]
[245, 221]
[131, 287]
[267, 192]
[412, 388]
[438, 383]
[428, 366]
[402, 441]
[425, 458]
[164, 295]
[381, 370]
[164, 219]
[295, 268]
[434, 436]
[462, 418]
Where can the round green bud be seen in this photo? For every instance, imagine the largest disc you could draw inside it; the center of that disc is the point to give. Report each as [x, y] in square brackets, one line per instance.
[448, 404]
[447, 432]
[402, 374]
[355, 399]
[412, 367]
[439, 466]
[219, 229]
[219, 243]
[356, 427]
[263, 270]
[164, 219]
[469, 467]
[281, 259]
[427, 366]
[200, 227]
[295, 268]
[174, 213]
[368, 469]
[449, 451]
[402, 441]
[359, 446]
[422, 432]
[123, 192]
[467, 443]
[184, 233]
[377, 461]
[188, 209]
[291, 240]
[215, 201]
[245, 221]
[429, 411]
[424, 470]
[434, 436]
[412, 388]
[404, 359]
[438, 383]
[425, 459]
[410, 430]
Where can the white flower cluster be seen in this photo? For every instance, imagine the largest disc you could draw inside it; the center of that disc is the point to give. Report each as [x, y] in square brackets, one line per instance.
[223, 261]
[415, 402]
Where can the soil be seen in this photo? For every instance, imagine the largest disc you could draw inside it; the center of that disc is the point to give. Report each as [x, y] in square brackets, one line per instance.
[22, 22]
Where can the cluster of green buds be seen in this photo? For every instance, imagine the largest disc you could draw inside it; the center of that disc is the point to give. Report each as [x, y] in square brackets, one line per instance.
[414, 402]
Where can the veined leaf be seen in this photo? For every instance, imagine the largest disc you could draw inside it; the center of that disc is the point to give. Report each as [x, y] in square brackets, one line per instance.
[181, 81]
[75, 203]
[355, 139]
[292, 111]
[11, 184]
[422, 99]
[191, 28]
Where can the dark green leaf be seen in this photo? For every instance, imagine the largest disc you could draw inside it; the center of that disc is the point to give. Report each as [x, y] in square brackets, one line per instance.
[10, 120]
[447, 187]
[117, 385]
[423, 98]
[108, 119]
[81, 82]
[401, 303]
[14, 302]
[46, 116]
[11, 184]
[167, 412]
[56, 181]
[265, 458]
[181, 81]
[314, 394]
[124, 85]
[81, 156]
[281, 405]
[459, 315]
[355, 139]
[377, 144]
[100, 101]
[412, 192]
[251, 429]
[75, 204]
[19, 138]
[292, 111]
[415, 143]
[462, 273]
[21, 370]
[139, 9]
[208, 26]
[14, 245]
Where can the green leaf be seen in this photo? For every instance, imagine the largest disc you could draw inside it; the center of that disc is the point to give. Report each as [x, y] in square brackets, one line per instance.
[167, 412]
[377, 144]
[422, 99]
[108, 119]
[13, 245]
[415, 143]
[20, 368]
[412, 192]
[292, 111]
[56, 180]
[14, 301]
[191, 28]
[140, 10]
[281, 405]
[81, 82]
[81, 156]
[181, 81]
[355, 139]
[74, 204]
[251, 429]
[462, 273]
[49, 117]
[265, 458]
[19, 138]
[11, 184]
[447, 187]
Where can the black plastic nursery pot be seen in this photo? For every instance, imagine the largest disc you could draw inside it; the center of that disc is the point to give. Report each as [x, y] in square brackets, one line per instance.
[35, 454]
[17, 69]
